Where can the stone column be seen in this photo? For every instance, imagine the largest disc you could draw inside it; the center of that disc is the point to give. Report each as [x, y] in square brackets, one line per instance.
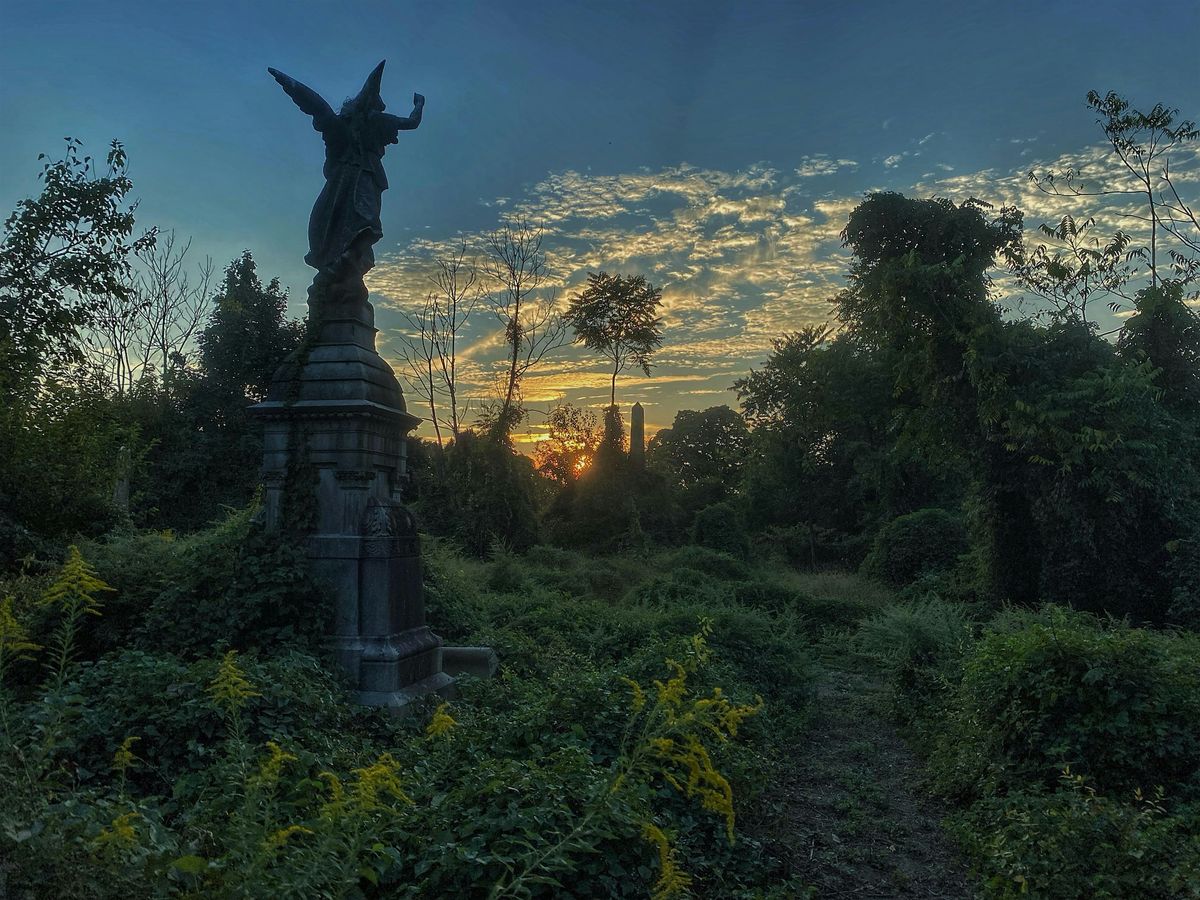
[637, 436]
[335, 427]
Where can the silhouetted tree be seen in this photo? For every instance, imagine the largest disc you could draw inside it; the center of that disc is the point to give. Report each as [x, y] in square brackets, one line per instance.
[568, 451]
[516, 264]
[617, 316]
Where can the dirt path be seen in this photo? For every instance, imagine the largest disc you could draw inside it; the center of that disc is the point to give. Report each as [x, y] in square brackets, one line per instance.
[863, 826]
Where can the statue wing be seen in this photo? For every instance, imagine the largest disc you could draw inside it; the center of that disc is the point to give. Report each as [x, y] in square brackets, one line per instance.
[368, 98]
[306, 98]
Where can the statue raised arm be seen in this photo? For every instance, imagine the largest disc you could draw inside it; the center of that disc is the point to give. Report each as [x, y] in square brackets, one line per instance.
[345, 223]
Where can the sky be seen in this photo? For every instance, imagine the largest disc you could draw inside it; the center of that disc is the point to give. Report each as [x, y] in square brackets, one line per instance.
[714, 147]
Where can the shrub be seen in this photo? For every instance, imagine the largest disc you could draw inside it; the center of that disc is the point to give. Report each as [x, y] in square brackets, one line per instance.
[928, 540]
[232, 585]
[720, 527]
[1041, 692]
[481, 493]
[915, 643]
[1075, 844]
[812, 546]
[716, 563]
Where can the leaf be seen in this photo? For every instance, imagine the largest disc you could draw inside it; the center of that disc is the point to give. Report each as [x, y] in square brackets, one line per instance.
[191, 864]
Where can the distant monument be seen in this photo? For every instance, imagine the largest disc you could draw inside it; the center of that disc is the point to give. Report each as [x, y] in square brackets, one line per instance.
[637, 437]
[335, 423]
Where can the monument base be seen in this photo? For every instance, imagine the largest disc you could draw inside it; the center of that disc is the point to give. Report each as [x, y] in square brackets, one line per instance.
[400, 701]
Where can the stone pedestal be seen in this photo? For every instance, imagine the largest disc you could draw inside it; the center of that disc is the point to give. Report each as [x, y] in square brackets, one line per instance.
[334, 456]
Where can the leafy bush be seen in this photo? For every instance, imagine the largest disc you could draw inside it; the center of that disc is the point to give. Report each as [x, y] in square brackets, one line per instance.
[720, 527]
[914, 643]
[928, 540]
[233, 585]
[480, 493]
[1075, 844]
[812, 546]
[1042, 692]
[716, 563]
[681, 588]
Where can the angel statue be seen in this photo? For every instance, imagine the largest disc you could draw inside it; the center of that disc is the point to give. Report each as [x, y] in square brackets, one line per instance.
[344, 224]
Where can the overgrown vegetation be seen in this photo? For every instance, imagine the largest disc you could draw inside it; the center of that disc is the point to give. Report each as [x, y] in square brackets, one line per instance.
[1018, 495]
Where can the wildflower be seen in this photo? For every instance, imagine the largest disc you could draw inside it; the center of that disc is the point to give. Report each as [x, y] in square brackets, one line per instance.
[672, 881]
[230, 690]
[702, 779]
[275, 841]
[76, 585]
[672, 692]
[441, 724]
[371, 783]
[120, 833]
[382, 778]
[124, 757]
[638, 702]
[723, 718]
[269, 770]
[14, 639]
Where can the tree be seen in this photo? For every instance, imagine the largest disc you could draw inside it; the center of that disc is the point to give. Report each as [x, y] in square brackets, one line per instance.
[702, 454]
[62, 253]
[152, 327]
[247, 335]
[431, 349]
[1166, 332]
[207, 451]
[574, 437]
[617, 316]
[1143, 144]
[516, 264]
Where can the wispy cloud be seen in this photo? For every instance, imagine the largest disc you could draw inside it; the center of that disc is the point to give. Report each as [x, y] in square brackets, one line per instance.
[741, 256]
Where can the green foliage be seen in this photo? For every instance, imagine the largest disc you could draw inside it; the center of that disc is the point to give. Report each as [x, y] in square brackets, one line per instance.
[617, 316]
[582, 770]
[479, 492]
[1041, 692]
[234, 585]
[918, 645]
[715, 563]
[62, 253]
[702, 454]
[921, 542]
[1077, 844]
[1165, 331]
[720, 527]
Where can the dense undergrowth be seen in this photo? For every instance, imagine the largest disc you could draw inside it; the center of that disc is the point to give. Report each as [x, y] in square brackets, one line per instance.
[170, 728]
[1069, 744]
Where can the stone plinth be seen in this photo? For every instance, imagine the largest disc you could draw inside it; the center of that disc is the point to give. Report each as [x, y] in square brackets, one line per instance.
[334, 460]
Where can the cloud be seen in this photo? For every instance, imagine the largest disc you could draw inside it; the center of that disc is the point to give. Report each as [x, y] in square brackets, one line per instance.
[741, 256]
[820, 164]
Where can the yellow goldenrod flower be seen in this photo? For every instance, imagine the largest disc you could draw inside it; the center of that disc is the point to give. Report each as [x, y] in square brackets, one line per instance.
[269, 769]
[230, 690]
[120, 833]
[672, 692]
[76, 585]
[14, 639]
[275, 841]
[672, 881]
[381, 778]
[638, 701]
[371, 783]
[124, 757]
[441, 724]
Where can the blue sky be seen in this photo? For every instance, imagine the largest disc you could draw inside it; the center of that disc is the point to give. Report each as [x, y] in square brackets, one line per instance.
[714, 147]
